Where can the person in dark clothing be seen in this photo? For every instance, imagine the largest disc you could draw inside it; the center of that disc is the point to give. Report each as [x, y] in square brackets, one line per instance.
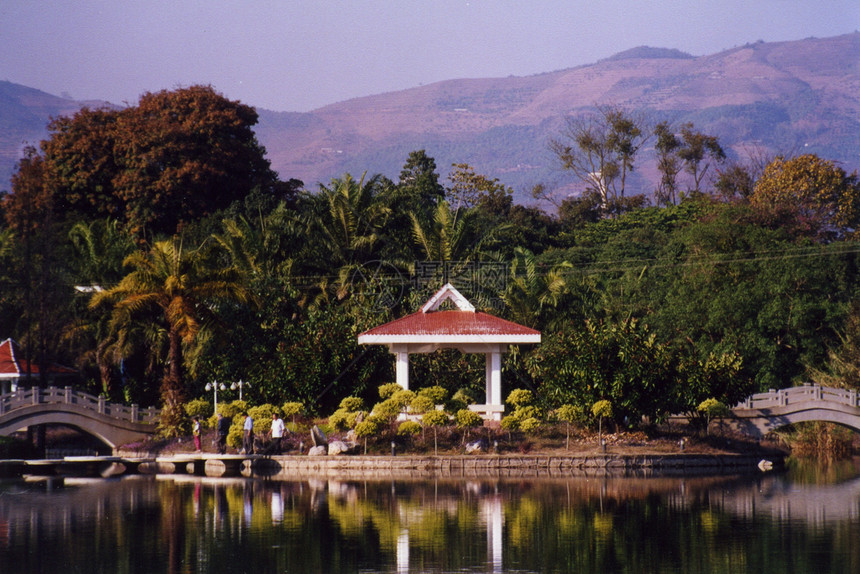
[223, 429]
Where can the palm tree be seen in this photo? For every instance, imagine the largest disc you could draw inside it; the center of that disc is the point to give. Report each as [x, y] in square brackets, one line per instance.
[346, 227]
[447, 237]
[531, 290]
[262, 248]
[100, 248]
[184, 287]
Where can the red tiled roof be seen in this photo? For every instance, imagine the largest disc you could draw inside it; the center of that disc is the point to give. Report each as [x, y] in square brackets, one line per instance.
[462, 326]
[11, 364]
[440, 325]
[450, 323]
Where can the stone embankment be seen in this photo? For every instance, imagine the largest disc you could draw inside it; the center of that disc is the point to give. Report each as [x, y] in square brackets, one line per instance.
[490, 466]
[398, 467]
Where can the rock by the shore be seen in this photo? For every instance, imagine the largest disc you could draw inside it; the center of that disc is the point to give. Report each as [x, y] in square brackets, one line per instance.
[318, 437]
[477, 447]
[317, 451]
[341, 447]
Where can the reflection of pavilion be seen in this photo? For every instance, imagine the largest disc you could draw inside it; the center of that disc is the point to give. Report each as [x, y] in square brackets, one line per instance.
[492, 516]
[462, 328]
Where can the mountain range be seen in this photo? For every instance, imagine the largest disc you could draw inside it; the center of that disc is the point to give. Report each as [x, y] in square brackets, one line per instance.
[759, 99]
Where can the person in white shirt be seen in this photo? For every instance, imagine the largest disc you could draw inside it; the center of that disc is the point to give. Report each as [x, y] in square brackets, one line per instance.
[277, 433]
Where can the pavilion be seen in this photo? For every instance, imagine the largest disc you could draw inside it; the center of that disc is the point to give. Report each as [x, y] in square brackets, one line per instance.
[14, 369]
[461, 328]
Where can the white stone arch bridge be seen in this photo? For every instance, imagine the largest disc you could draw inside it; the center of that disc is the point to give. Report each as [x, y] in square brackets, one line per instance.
[765, 412]
[112, 423]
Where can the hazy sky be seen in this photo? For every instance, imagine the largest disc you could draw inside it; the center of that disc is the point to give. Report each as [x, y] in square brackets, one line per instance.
[297, 55]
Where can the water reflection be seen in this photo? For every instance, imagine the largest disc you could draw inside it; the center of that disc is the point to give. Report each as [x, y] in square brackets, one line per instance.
[765, 524]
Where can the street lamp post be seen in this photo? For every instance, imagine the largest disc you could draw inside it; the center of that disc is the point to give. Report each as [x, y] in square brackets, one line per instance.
[238, 385]
[214, 386]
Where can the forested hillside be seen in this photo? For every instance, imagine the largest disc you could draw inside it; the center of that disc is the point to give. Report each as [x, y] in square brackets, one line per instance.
[759, 99]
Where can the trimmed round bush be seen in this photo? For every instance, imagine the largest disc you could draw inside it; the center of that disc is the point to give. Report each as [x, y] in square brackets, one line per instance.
[408, 428]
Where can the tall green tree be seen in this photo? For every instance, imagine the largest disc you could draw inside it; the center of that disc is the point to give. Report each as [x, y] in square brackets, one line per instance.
[600, 149]
[623, 363]
[469, 189]
[184, 288]
[668, 163]
[99, 249]
[345, 229]
[534, 291]
[41, 261]
[697, 152]
[448, 237]
[416, 193]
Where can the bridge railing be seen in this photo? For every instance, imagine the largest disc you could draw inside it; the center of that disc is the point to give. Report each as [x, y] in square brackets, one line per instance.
[794, 395]
[68, 396]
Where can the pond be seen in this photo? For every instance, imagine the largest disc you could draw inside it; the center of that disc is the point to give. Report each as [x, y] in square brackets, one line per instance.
[800, 521]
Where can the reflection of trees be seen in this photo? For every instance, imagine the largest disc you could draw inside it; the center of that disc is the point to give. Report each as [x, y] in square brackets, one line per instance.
[172, 525]
[582, 525]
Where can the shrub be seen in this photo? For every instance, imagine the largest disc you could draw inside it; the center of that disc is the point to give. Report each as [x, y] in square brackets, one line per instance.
[352, 404]
[422, 404]
[200, 408]
[402, 398]
[510, 423]
[234, 436]
[459, 401]
[388, 389]
[712, 408]
[520, 398]
[568, 414]
[529, 424]
[387, 410]
[231, 410]
[468, 419]
[526, 412]
[339, 420]
[408, 428]
[435, 393]
[368, 427]
[601, 409]
[292, 410]
[435, 419]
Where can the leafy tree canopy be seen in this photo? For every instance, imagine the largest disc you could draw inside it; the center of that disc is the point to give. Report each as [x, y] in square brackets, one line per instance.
[175, 157]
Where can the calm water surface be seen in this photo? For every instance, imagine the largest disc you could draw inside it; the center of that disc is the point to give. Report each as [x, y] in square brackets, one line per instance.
[804, 521]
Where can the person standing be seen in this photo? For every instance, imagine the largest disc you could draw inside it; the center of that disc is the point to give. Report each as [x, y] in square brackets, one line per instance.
[248, 435]
[223, 429]
[277, 433]
[195, 430]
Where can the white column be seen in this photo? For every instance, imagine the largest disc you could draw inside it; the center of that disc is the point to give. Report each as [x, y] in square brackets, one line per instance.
[403, 551]
[494, 381]
[402, 369]
[491, 508]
